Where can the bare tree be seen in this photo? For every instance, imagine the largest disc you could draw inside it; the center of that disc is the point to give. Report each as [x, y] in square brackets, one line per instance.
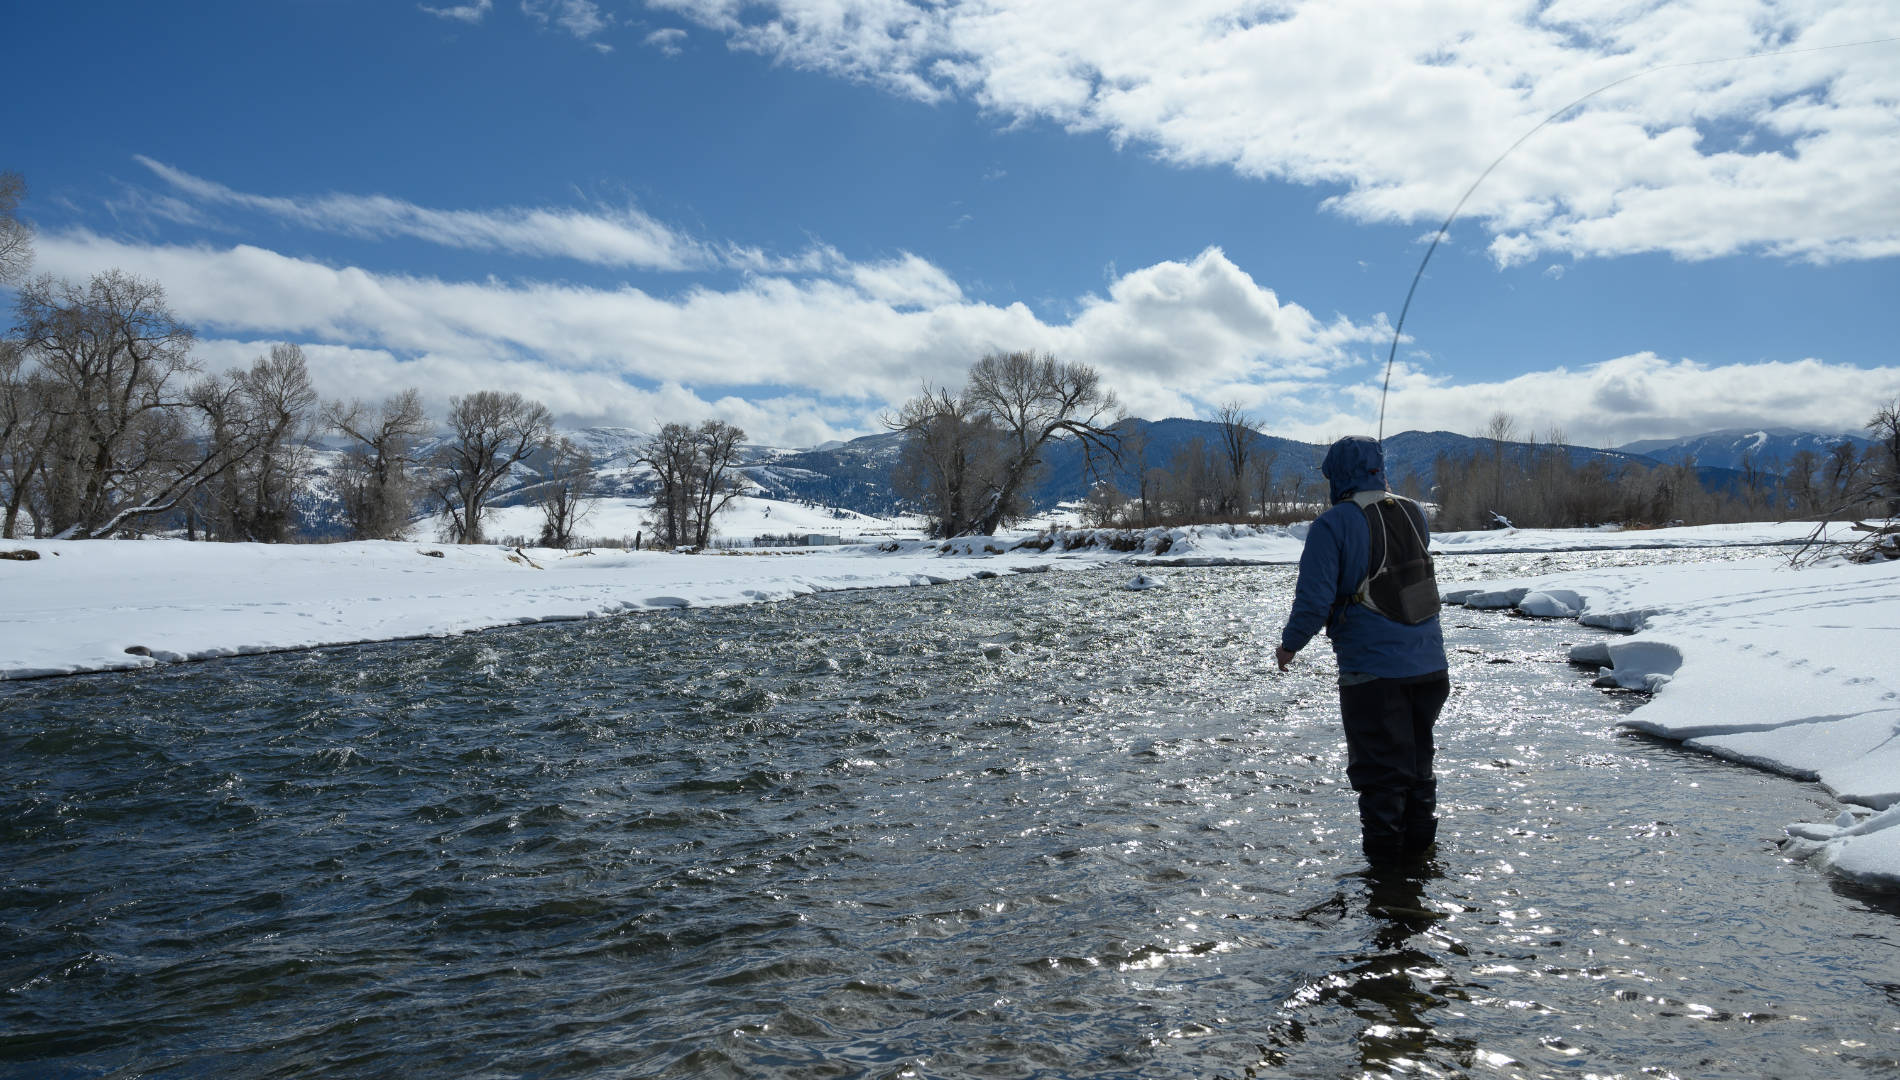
[669, 453]
[1499, 431]
[373, 481]
[563, 496]
[1885, 428]
[275, 404]
[1840, 474]
[1260, 478]
[971, 457]
[1036, 401]
[1105, 504]
[1237, 438]
[693, 479]
[1865, 485]
[1193, 483]
[489, 432]
[950, 460]
[1132, 438]
[24, 434]
[1798, 481]
[120, 445]
[717, 444]
[16, 238]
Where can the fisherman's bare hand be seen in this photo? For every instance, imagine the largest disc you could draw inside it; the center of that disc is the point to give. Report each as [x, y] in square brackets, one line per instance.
[1282, 658]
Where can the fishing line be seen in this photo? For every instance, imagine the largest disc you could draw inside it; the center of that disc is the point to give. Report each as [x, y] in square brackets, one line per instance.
[1385, 390]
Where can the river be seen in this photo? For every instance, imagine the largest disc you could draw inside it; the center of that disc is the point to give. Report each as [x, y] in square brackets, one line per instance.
[1038, 826]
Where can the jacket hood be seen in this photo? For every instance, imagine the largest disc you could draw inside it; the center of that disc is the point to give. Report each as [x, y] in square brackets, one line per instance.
[1354, 463]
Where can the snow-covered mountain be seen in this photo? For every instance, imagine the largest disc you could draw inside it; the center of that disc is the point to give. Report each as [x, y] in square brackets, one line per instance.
[1770, 448]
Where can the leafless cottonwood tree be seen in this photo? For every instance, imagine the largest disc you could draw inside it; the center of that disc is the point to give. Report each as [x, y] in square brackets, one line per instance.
[1035, 401]
[1191, 490]
[718, 443]
[669, 452]
[694, 479]
[489, 432]
[373, 482]
[109, 366]
[23, 438]
[976, 453]
[23, 434]
[1800, 481]
[16, 239]
[1132, 439]
[1842, 472]
[274, 403]
[1260, 479]
[951, 459]
[1238, 436]
[1864, 489]
[563, 495]
[1500, 431]
[1869, 493]
[1885, 428]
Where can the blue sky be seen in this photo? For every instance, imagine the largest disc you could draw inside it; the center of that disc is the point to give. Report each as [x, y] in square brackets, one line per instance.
[792, 214]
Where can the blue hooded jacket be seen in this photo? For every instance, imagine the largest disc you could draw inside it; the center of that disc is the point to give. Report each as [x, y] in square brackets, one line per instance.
[1337, 555]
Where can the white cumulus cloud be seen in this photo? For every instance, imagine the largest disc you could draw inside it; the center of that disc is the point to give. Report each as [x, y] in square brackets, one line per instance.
[805, 357]
[827, 350]
[1644, 396]
[1794, 153]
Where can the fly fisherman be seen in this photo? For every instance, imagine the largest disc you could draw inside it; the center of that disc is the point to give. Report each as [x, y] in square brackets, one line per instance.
[1382, 617]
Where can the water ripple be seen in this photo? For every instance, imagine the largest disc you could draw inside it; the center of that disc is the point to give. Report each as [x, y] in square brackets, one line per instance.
[1028, 827]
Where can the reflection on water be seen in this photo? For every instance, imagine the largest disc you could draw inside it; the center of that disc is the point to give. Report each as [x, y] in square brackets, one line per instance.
[1031, 827]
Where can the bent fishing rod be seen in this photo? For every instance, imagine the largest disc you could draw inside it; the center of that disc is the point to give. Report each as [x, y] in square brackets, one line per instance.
[1398, 328]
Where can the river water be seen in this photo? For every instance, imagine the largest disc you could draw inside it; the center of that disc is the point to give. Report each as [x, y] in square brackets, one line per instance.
[1039, 826]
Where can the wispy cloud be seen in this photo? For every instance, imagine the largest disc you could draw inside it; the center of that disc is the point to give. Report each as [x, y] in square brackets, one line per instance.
[668, 41]
[621, 238]
[1405, 104]
[470, 13]
[581, 18]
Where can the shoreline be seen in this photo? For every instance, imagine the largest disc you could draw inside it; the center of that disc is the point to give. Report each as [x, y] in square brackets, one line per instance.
[1788, 670]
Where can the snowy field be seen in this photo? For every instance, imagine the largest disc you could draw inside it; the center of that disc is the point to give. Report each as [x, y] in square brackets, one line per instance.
[1782, 668]
[621, 519]
[743, 520]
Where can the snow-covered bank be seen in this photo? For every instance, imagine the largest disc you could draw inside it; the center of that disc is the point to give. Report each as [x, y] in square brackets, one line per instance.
[1610, 538]
[104, 605]
[1792, 670]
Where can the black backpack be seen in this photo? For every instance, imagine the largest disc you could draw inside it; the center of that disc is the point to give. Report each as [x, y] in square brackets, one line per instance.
[1400, 583]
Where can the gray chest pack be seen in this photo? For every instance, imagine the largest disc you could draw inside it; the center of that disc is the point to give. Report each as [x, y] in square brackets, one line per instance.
[1400, 583]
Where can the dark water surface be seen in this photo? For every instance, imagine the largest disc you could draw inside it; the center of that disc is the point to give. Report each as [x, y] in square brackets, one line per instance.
[1032, 827]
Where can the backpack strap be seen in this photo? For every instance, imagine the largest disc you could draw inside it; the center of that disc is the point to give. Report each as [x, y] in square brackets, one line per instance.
[1367, 502]
[1378, 544]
